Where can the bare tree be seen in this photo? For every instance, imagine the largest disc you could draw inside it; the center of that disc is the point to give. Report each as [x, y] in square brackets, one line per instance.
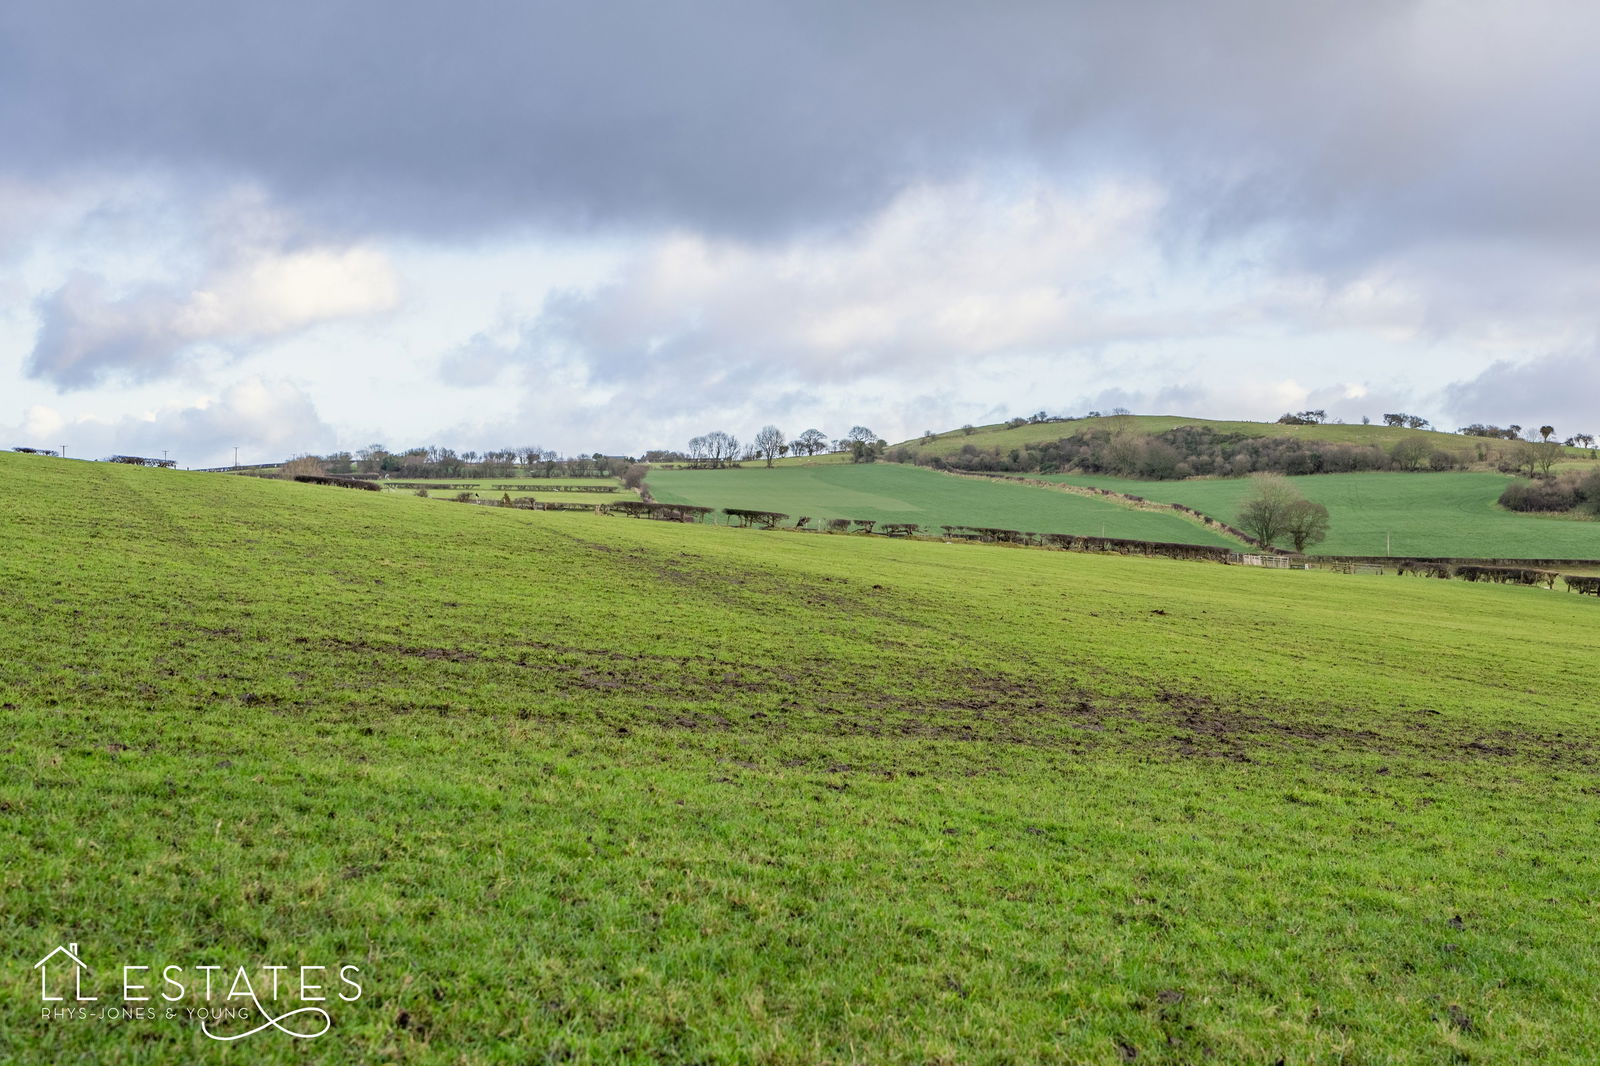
[1265, 515]
[1305, 523]
[769, 443]
[371, 458]
[1548, 452]
[1536, 456]
[303, 464]
[1410, 453]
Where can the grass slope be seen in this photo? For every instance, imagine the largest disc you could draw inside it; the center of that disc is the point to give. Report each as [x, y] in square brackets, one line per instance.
[586, 789]
[1384, 436]
[889, 492]
[1449, 514]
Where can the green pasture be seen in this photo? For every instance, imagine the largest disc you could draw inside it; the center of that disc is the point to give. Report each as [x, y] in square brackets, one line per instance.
[890, 492]
[584, 789]
[1433, 514]
[537, 488]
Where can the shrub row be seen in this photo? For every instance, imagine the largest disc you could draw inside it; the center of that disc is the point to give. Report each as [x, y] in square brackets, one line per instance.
[764, 519]
[1503, 575]
[665, 512]
[1565, 493]
[341, 482]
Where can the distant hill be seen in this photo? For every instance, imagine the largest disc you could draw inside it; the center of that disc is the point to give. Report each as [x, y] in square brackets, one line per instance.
[1004, 436]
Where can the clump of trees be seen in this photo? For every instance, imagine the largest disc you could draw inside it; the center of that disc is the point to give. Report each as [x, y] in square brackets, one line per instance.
[1531, 458]
[1275, 511]
[713, 450]
[1479, 429]
[1304, 418]
[1408, 421]
[1186, 451]
[1569, 492]
[809, 443]
[863, 445]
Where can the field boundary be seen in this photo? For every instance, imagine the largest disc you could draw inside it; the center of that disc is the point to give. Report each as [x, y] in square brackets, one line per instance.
[1131, 502]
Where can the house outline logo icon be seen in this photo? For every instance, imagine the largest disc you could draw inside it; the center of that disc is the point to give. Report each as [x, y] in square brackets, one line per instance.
[79, 966]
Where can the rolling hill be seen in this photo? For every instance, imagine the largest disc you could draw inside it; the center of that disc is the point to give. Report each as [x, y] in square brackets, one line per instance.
[1005, 438]
[589, 789]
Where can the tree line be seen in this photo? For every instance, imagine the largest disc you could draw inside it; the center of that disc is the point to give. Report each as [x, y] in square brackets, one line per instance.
[720, 449]
[439, 462]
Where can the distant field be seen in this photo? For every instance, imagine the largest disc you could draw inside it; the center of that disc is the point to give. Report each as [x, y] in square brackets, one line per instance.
[1448, 514]
[595, 790]
[888, 492]
[1383, 436]
[537, 488]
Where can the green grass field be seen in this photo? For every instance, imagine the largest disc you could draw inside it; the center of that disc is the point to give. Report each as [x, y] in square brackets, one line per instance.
[1384, 436]
[1447, 514]
[585, 789]
[889, 492]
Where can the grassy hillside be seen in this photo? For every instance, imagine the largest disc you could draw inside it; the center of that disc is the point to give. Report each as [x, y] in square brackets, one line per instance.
[597, 790]
[1003, 438]
[888, 492]
[1449, 514]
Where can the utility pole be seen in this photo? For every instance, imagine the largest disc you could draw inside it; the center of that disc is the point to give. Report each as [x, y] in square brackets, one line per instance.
[63, 451]
[236, 457]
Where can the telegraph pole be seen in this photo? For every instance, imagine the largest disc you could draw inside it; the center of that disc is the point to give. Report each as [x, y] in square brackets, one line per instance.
[236, 457]
[63, 451]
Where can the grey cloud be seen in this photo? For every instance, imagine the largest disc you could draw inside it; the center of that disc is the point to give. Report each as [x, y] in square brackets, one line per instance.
[87, 333]
[478, 361]
[1557, 389]
[1369, 125]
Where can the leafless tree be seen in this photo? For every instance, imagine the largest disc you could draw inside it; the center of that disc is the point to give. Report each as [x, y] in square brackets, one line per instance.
[769, 443]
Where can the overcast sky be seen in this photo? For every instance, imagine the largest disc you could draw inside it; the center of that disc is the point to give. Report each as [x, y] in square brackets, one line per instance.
[302, 226]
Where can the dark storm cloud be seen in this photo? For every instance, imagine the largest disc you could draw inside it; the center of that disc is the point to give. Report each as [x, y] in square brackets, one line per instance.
[1557, 389]
[1375, 123]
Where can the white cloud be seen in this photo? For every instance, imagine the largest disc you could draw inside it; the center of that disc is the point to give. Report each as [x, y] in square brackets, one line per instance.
[246, 277]
[276, 294]
[267, 419]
